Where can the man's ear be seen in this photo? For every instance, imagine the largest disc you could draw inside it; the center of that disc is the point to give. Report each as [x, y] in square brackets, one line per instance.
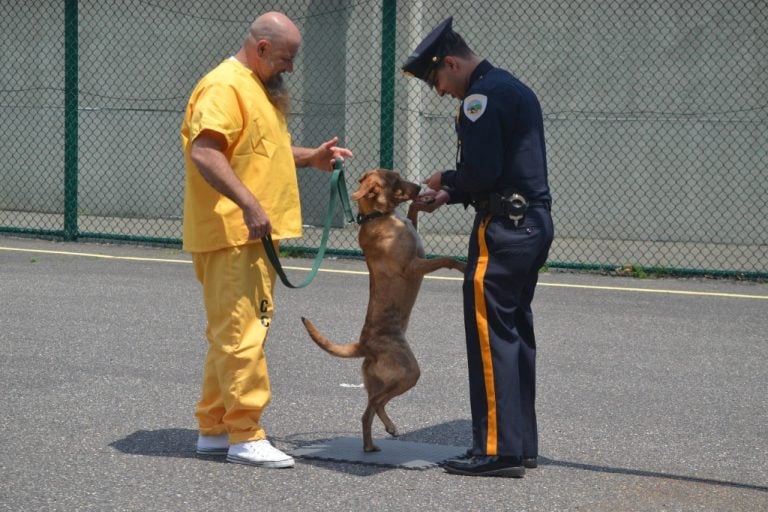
[262, 46]
[451, 62]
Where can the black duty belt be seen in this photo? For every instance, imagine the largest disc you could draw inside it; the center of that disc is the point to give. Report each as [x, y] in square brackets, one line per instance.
[483, 206]
[494, 203]
[507, 204]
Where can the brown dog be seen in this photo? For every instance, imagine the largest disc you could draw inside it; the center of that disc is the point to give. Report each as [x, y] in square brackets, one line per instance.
[396, 265]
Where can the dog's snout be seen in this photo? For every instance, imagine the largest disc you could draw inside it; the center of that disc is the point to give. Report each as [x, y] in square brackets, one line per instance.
[410, 189]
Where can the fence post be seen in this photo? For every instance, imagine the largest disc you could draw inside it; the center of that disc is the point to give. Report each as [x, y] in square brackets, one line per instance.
[387, 126]
[70, 119]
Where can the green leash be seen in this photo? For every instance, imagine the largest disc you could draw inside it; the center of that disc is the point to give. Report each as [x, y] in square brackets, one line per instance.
[338, 190]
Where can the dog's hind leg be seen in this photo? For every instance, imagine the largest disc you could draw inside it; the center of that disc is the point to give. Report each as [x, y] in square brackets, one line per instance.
[382, 399]
[367, 420]
[389, 425]
[376, 406]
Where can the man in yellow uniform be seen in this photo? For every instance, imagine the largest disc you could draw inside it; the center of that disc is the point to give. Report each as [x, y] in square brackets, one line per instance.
[240, 186]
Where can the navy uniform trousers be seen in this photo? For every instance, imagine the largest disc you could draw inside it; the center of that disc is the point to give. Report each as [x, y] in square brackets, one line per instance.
[502, 271]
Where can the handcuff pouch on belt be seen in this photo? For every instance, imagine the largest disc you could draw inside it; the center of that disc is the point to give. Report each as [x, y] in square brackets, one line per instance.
[511, 204]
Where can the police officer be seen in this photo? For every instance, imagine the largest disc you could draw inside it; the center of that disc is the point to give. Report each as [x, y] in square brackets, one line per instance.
[501, 170]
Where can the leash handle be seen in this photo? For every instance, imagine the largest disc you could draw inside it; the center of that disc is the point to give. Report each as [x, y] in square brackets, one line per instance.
[338, 190]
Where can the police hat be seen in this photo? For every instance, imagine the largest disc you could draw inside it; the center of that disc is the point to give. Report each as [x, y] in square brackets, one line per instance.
[427, 56]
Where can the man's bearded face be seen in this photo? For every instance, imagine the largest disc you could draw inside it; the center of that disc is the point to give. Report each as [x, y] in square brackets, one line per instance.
[278, 93]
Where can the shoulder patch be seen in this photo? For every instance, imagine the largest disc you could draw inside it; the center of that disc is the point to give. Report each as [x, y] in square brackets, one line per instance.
[474, 106]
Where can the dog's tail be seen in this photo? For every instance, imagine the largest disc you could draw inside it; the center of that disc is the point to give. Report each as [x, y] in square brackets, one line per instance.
[351, 350]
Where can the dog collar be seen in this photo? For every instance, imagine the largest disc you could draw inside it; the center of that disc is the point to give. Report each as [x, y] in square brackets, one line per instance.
[362, 219]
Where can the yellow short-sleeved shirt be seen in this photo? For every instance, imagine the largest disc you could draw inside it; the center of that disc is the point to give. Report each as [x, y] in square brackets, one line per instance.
[232, 101]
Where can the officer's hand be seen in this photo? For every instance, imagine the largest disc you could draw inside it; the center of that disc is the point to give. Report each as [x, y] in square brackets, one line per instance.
[430, 200]
[435, 181]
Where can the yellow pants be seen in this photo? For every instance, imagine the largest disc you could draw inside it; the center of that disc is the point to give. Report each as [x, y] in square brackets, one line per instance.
[237, 291]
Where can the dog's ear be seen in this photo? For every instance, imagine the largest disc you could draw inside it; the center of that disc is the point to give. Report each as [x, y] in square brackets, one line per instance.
[365, 175]
[369, 187]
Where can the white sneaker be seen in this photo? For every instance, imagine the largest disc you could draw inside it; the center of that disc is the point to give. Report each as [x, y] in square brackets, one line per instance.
[212, 445]
[259, 453]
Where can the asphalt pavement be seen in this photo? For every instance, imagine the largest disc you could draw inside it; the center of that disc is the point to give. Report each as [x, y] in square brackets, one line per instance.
[652, 393]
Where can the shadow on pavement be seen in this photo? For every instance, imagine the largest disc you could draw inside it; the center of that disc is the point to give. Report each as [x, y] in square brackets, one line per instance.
[180, 443]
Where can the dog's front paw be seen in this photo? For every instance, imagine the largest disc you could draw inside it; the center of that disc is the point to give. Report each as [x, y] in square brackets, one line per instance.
[460, 266]
[371, 448]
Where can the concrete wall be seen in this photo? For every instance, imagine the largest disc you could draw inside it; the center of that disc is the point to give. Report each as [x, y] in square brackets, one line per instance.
[656, 116]
[655, 112]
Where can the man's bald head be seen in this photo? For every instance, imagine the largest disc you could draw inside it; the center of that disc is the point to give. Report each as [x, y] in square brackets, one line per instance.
[275, 27]
[270, 46]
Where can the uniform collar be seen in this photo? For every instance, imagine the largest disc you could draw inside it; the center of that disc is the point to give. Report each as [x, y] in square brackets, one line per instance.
[479, 72]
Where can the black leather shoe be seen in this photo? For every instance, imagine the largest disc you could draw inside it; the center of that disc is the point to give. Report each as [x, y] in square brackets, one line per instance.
[528, 462]
[510, 467]
[463, 457]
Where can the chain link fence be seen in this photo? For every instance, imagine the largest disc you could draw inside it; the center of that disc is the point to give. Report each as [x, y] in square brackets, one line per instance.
[656, 117]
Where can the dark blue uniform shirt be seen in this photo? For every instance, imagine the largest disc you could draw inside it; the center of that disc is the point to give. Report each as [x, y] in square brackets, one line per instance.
[500, 140]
